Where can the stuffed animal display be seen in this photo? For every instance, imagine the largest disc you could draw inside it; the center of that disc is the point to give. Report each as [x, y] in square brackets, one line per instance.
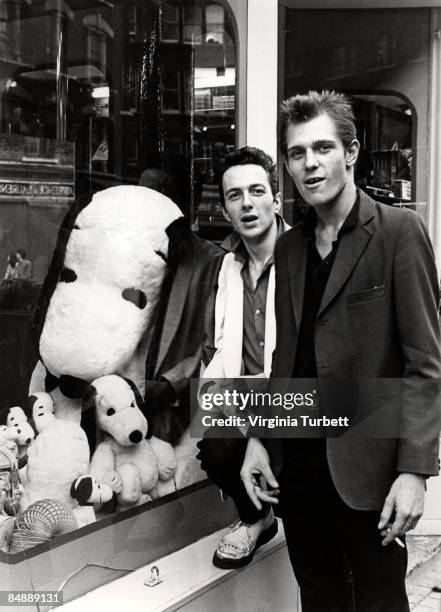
[115, 254]
[97, 303]
[125, 459]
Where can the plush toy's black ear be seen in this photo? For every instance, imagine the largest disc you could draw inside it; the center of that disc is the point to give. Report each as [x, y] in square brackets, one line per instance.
[51, 382]
[181, 242]
[136, 393]
[73, 387]
[88, 420]
[81, 489]
[142, 406]
[56, 266]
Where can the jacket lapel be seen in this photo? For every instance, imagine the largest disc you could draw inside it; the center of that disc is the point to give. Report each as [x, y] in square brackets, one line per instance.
[297, 254]
[175, 307]
[349, 251]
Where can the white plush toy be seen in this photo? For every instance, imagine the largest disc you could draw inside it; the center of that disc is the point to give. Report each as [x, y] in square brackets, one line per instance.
[125, 460]
[95, 312]
[19, 430]
[58, 455]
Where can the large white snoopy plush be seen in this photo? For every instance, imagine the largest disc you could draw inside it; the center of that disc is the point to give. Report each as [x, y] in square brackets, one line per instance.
[127, 459]
[95, 313]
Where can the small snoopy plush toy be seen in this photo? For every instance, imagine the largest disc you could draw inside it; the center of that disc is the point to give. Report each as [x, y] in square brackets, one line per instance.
[126, 458]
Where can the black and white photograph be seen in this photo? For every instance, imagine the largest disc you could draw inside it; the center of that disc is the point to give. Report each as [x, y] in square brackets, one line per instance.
[220, 271]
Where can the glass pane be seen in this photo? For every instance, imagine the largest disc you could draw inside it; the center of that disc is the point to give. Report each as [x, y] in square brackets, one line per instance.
[381, 59]
[214, 103]
[214, 16]
[81, 90]
[192, 33]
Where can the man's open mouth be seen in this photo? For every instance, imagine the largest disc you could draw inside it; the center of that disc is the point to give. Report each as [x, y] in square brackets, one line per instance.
[314, 180]
[249, 218]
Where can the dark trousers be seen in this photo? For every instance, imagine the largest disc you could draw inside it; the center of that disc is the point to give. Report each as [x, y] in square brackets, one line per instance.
[221, 459]
[335, 551]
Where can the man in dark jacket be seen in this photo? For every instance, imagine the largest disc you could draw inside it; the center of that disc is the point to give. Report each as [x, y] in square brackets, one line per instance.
[356, 297]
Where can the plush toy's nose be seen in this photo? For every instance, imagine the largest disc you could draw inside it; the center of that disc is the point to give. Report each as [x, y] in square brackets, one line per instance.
[28, 440]
[135, 436]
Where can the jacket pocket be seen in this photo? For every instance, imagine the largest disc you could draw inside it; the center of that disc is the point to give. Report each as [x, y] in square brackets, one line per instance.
[366, 295]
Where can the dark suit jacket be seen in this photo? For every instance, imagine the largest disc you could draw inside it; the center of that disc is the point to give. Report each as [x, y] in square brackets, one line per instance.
[377, 319]
[187, 326]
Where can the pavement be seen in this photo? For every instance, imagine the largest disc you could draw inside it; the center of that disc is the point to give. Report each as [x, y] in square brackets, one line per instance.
[424, 573]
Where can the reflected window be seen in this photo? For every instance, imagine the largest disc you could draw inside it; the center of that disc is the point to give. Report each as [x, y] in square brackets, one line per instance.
[192, 24]
[384, 128]
[101, 94]
[214, 15]
[170, 23]
[384, 66]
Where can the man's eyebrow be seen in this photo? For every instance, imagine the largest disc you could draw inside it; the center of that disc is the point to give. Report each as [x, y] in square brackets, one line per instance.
[315, 144]
[324, 141]
[252, 186]
[232, 189]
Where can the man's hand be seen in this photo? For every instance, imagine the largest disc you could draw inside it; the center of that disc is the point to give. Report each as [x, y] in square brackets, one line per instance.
[256, 475]
[405, 503]
[159, 395]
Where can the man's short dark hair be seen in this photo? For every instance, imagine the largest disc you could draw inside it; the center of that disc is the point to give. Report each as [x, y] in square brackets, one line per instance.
[22, 252]
[249, 155]
[304, 107]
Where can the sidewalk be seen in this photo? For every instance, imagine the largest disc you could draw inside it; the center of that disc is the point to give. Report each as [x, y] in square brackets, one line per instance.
[424, 573]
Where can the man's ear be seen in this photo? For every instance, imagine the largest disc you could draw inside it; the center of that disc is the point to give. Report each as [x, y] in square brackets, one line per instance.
[225, 214]
[352, 151]
[277, 202]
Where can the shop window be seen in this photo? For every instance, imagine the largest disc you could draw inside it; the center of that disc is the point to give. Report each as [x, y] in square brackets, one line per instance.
[170, 91]
[192, 24]
[214, 17]
[98, 95]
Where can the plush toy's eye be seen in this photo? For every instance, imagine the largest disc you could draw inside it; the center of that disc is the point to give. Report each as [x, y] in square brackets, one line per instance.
[110, 411]
[137, 297]
[132, 405]
[67, 276]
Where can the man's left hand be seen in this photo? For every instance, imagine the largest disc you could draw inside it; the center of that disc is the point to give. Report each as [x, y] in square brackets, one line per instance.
[405, 503]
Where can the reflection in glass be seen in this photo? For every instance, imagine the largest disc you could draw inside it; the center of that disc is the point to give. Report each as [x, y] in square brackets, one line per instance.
[95, 94]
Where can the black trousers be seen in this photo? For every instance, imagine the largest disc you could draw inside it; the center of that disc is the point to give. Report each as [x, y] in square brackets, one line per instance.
[335, 551]
[221, 458]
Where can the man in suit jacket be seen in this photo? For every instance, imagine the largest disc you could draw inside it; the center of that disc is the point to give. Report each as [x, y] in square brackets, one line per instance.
[356, 297]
